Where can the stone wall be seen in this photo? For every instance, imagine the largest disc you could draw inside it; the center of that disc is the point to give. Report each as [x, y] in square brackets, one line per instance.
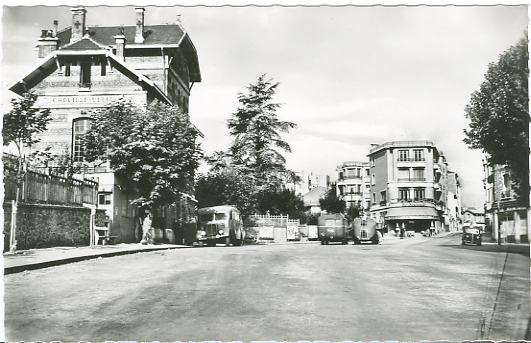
[45, 226]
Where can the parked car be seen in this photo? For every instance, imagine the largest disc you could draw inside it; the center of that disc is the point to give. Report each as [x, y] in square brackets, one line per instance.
[471, 235]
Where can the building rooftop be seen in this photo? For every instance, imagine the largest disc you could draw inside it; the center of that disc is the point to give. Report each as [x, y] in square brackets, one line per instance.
[400, 144]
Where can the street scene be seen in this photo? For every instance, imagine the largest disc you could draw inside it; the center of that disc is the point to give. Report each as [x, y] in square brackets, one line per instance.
[407, 290]
[266, 173]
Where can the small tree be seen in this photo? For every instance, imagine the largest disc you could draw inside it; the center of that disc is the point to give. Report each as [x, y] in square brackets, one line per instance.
[284, 201]
[21, 126]
[331, 203]
[499, 116]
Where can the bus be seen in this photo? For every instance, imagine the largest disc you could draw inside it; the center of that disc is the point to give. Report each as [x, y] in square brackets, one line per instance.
[366, 230]
[333, 228]
[220, 224]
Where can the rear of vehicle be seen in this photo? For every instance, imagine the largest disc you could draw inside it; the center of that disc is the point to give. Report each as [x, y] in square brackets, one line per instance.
[333, 228]
[365, 230]
[471, 235]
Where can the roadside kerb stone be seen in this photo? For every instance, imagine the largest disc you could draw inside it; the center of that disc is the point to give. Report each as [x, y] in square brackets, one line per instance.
[80, 256]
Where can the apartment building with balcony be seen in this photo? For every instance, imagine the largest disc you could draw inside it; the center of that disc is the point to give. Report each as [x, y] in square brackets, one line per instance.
[408, 185]
[353, 184]
[506, 218]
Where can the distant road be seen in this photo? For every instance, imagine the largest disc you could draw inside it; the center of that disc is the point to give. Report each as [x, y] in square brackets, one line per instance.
[405, 290]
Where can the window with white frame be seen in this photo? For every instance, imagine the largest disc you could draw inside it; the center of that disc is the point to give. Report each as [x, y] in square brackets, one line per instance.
[403, 193]
[418, 154]
[80, 127]
[403, 155]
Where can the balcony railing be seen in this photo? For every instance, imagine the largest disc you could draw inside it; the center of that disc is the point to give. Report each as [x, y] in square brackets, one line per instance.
[411, 179]
[411, 159]
[415, 200]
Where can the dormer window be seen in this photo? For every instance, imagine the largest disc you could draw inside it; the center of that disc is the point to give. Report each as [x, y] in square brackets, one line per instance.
[84, 76]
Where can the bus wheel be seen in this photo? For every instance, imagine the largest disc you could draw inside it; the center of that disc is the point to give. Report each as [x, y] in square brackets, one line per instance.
[322, 242]
[345, 241]
[211, 243]
[227, 241]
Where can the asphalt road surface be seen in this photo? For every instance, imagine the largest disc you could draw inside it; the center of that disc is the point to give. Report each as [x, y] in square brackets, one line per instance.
[404, 290]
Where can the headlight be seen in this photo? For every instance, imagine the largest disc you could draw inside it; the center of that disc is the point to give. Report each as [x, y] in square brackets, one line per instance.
[201, 233]
[220, 232]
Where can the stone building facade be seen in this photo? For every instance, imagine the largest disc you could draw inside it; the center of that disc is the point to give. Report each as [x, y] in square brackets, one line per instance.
[506, 219]
[82, 68]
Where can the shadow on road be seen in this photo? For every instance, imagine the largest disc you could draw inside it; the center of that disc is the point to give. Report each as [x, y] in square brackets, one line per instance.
[493, 247]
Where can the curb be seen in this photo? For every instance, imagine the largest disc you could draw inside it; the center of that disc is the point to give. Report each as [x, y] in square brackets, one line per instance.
[58, 262]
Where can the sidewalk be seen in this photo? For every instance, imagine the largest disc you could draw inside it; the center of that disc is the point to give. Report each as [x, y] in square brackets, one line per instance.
[42, 258]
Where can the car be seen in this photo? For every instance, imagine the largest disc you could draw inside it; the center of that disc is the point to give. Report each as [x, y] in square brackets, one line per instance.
[471, 235]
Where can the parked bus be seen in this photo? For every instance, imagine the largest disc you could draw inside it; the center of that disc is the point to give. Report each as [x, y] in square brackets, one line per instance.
[333, 228]
[220, 224]
[366, 230]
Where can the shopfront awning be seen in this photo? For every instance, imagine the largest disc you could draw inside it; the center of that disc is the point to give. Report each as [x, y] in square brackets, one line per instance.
[412, 212]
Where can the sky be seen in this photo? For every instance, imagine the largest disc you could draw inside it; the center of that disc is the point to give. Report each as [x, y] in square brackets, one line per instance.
[350, 76]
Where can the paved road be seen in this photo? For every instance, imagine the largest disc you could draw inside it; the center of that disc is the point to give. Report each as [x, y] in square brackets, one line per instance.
[405, 290]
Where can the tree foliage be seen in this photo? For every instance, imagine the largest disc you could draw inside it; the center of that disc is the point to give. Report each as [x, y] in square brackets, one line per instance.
[256, 131]
[499, 115]
[252, 172]
[24, 122]
[152, 151]
[227, 187]
[284, 201]
[331, 203]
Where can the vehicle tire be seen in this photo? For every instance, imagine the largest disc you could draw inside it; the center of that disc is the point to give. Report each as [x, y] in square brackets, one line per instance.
[322, 242]
[344, 241]
[463, 243]
[227, 241]
[356, 242]
[479, 243]
[211, 243]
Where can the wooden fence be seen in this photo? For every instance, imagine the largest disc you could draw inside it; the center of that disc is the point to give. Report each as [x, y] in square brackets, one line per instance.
[49, 189]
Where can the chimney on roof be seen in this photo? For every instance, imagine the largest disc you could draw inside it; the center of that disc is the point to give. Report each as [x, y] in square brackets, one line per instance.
[78, 23]
[139, 34]
[48, 42]
[55, 25]
[120, 46]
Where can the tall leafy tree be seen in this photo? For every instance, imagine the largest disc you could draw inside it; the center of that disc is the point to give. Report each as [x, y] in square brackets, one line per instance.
[499, 116]
[256, 131]
[153, 151]
[24, 122]
[331, 203]
[252, 171]
[21, 126]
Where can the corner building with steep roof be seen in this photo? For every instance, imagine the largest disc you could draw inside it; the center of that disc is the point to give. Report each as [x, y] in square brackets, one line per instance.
[82, 67]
